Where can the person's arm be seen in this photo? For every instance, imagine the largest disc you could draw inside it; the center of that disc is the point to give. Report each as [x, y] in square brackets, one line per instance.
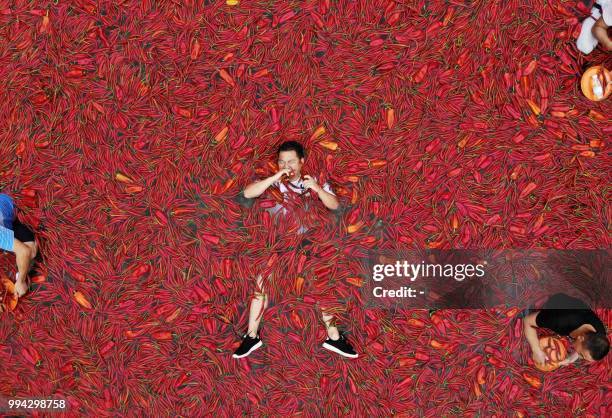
[600, 32]
[257, 188]
[329, 200]
[23, 256]
[529, 328]
[572, 358]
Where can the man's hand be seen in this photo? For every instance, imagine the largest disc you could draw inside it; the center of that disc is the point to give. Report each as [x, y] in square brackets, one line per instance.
[329, 200]
[570, 359]
[600, 32]
[539, 357]
[280, 173]
[531, 334]
[310, 183]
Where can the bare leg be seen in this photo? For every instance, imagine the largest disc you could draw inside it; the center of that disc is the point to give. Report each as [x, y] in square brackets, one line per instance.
[600, 32]
[258, 304]
[330, 324]
[25, 260]
[33, 247]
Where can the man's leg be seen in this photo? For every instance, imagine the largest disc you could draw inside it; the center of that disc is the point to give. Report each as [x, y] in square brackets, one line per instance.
[600, 32]
[330, 325]
[258, 304]
[34, 250]
[336, 342]
[26, 236]
[23, 256]
[251, 341]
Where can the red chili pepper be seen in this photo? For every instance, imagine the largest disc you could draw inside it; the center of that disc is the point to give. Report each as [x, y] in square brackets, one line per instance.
[26, 354]
[406, 381]
[240, 71]
[433, 28]
[496, 361]
[463, 58]
[480, 376]
[214, 239]
[389, 8]
[286, 17]
[39, 98]
[407, 362]
[438, 323]
[327, 251]
[195, 48]
[488, 42]
[474, 360]
[420, 75]
[226, 77]
[387, 66]
[76, 73]
[106, 348]
[203, 294]
[322, 272]
[220, 286]
[353, 216]
[394, 18]
[309, 300]
[301, 262]
[527, 190]
[227, 268]
[162, 335]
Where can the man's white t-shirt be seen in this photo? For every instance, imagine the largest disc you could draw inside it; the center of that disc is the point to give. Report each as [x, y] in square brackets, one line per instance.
[294, 187]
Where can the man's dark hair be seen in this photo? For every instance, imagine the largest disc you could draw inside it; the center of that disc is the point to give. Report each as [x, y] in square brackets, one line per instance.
[597, 344]
[292, 146]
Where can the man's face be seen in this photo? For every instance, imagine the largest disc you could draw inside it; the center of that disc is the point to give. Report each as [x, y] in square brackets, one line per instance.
[290, 159]
[581, 349]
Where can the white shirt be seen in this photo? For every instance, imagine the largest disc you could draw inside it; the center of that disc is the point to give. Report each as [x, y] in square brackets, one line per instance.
[296, 187]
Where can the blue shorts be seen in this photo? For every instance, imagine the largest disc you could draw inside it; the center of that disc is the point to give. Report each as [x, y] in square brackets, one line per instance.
[7, 215]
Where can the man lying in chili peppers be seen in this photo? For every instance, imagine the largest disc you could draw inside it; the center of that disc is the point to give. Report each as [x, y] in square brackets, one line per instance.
[568, 316]
[17, 238]
[288, 179]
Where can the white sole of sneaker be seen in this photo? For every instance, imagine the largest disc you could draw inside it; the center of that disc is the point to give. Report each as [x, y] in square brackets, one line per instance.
[255, 347]
[342, 353]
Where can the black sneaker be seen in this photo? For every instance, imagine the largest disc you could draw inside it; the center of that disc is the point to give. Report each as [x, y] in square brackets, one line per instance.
[249, 344]
[340, 346]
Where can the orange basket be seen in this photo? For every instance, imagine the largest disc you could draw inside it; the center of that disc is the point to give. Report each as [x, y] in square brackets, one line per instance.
[605, 78]
[555, 350]
[7, 290]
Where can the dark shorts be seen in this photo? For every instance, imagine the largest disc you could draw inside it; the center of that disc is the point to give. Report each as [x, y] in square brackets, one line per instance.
[22, 232]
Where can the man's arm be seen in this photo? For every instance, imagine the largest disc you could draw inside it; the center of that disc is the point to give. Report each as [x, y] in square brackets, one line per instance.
[572, 358]
[257, 188]
[529, 328]
[329, 200]
[600, 32]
